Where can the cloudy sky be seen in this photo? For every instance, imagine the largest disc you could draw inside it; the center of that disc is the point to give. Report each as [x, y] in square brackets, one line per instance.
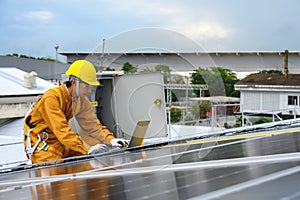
[33, 27]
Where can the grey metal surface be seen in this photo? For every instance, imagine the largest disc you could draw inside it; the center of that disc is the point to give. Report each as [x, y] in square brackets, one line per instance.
[12, 83]
[135, 97]
[188, 61]
[232, 167]
[46, 69]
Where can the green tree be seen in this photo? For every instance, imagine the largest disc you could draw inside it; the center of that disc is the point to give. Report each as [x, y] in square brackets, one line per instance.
[14, 55]
[31, 57]
[220, 81]
[229, 78]
[23, 56]
[128, 68]
[238, 122]
[175, 113]
[165, 70]
[262, 120]
[177, 79]
[271, 71]
[199, 110]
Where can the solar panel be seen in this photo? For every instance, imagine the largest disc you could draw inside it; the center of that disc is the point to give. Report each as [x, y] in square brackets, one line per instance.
[260, 167]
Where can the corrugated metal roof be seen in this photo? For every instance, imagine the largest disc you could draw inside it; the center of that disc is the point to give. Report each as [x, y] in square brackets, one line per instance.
[11, 80]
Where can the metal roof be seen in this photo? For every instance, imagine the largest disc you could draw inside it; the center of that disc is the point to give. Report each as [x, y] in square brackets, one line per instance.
[12, 79]
[11, 140]
[48, 70]
[274, 79]
[218, 53]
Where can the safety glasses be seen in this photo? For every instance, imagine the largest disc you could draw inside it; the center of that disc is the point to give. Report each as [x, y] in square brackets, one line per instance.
[85, 85]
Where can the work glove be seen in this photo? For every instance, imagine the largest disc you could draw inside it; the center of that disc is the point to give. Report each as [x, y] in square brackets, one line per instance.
[118, 142]
[99, 148]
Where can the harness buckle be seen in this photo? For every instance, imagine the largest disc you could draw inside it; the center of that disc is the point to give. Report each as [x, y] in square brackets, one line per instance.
[44, 147]
[29, 148]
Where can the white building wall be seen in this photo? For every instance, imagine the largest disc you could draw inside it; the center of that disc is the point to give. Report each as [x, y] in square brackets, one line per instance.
[284, 100]
[291, 109]
[269, 101]
[250, 101]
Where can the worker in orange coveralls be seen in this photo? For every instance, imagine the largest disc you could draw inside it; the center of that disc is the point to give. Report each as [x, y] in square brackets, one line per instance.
[47, 133]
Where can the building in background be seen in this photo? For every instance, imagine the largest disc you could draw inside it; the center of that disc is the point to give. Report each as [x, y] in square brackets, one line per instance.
[18, 90]
[270, 94]
[240, 62]
[48, 70]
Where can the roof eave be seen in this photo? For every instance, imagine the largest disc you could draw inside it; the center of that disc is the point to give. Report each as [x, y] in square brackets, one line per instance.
[268, 86]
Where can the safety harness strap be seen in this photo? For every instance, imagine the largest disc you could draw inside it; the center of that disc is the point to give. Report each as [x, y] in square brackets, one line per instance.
[40, 145]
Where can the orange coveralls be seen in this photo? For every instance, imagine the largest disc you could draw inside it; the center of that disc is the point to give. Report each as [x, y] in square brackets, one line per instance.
[51, 115]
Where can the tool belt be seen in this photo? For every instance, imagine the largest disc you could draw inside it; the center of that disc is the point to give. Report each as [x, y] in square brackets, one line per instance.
[35, 139]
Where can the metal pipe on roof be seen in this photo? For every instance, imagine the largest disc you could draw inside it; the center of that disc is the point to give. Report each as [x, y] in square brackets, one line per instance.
[286, 60]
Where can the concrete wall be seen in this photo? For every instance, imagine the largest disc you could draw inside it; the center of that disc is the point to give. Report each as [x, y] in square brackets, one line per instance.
[12, 107]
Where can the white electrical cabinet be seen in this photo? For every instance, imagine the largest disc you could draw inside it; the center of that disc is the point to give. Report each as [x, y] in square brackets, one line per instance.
[123, 100]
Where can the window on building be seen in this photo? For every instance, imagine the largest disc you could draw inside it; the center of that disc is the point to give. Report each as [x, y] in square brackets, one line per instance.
[292, 100]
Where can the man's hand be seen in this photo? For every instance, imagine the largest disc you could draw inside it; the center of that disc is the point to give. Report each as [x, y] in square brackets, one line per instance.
[98, 148]
[119, 142]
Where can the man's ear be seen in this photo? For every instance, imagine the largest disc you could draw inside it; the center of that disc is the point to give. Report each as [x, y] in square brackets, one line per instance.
[73, 81]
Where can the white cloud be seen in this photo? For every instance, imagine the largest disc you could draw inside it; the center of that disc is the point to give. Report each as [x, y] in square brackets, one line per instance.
[177, 16]
[144, 8]
[206, 31]
[38, 15]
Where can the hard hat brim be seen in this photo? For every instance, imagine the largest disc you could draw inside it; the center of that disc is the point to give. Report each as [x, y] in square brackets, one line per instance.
[95, 83]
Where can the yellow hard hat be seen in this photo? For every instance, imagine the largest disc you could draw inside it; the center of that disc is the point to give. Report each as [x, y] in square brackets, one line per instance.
[84, 70]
